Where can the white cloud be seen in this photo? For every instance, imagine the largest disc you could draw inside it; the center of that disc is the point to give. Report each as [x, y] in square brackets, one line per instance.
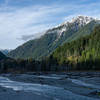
[24, 21]
[17, 23]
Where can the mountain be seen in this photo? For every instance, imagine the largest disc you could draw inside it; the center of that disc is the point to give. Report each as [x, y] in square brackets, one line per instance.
[83, 52]
[5, 51]
[80, 54]
[2, 56]
[46, 44]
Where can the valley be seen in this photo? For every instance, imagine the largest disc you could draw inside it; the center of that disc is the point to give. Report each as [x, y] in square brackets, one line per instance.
[49, 49]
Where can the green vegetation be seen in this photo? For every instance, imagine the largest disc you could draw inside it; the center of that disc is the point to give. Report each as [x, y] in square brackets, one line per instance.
[19, 65]
[44, 46]
[98, 93]
[80, 54]
[83, 53]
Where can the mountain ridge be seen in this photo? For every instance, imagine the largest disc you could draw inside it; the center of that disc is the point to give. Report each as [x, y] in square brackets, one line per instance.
[80, 54]
[5, 51]
[2, 56]
[46, 44]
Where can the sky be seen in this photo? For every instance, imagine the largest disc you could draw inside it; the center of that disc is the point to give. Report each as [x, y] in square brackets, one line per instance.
[22, 20]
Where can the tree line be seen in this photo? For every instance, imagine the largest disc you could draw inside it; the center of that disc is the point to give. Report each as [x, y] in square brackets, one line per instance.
[80, 54]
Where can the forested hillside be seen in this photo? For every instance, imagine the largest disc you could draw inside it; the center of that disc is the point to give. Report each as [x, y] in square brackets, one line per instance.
[45, 45]
[83, 53]
[80, 54]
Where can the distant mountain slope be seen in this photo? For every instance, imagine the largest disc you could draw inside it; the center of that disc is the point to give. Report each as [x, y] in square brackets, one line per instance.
[83, 52]
[68, 31]
[2, 56]
[5, 51]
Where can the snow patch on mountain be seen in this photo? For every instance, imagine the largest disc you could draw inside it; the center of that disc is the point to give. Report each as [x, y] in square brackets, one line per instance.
[75, 23]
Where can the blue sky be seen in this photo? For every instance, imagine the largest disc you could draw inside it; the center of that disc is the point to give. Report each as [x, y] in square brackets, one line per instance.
[21, 20]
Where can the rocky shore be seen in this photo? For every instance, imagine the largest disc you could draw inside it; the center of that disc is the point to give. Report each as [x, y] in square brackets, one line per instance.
[50, 86]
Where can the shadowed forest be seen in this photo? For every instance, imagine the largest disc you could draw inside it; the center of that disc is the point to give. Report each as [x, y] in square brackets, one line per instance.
[80, 54]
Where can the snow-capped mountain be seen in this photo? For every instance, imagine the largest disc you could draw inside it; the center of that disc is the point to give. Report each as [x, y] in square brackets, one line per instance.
[77, 22]
[54, 37]
[82, 20]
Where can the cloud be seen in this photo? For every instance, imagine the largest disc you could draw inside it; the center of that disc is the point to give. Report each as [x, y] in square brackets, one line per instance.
[19, 24]
[24, 21]
[30, 37]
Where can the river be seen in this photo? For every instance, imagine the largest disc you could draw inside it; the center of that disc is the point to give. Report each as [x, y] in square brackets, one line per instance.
[65, 89]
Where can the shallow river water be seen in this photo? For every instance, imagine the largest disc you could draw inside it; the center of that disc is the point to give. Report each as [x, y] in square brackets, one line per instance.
[49, 91]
